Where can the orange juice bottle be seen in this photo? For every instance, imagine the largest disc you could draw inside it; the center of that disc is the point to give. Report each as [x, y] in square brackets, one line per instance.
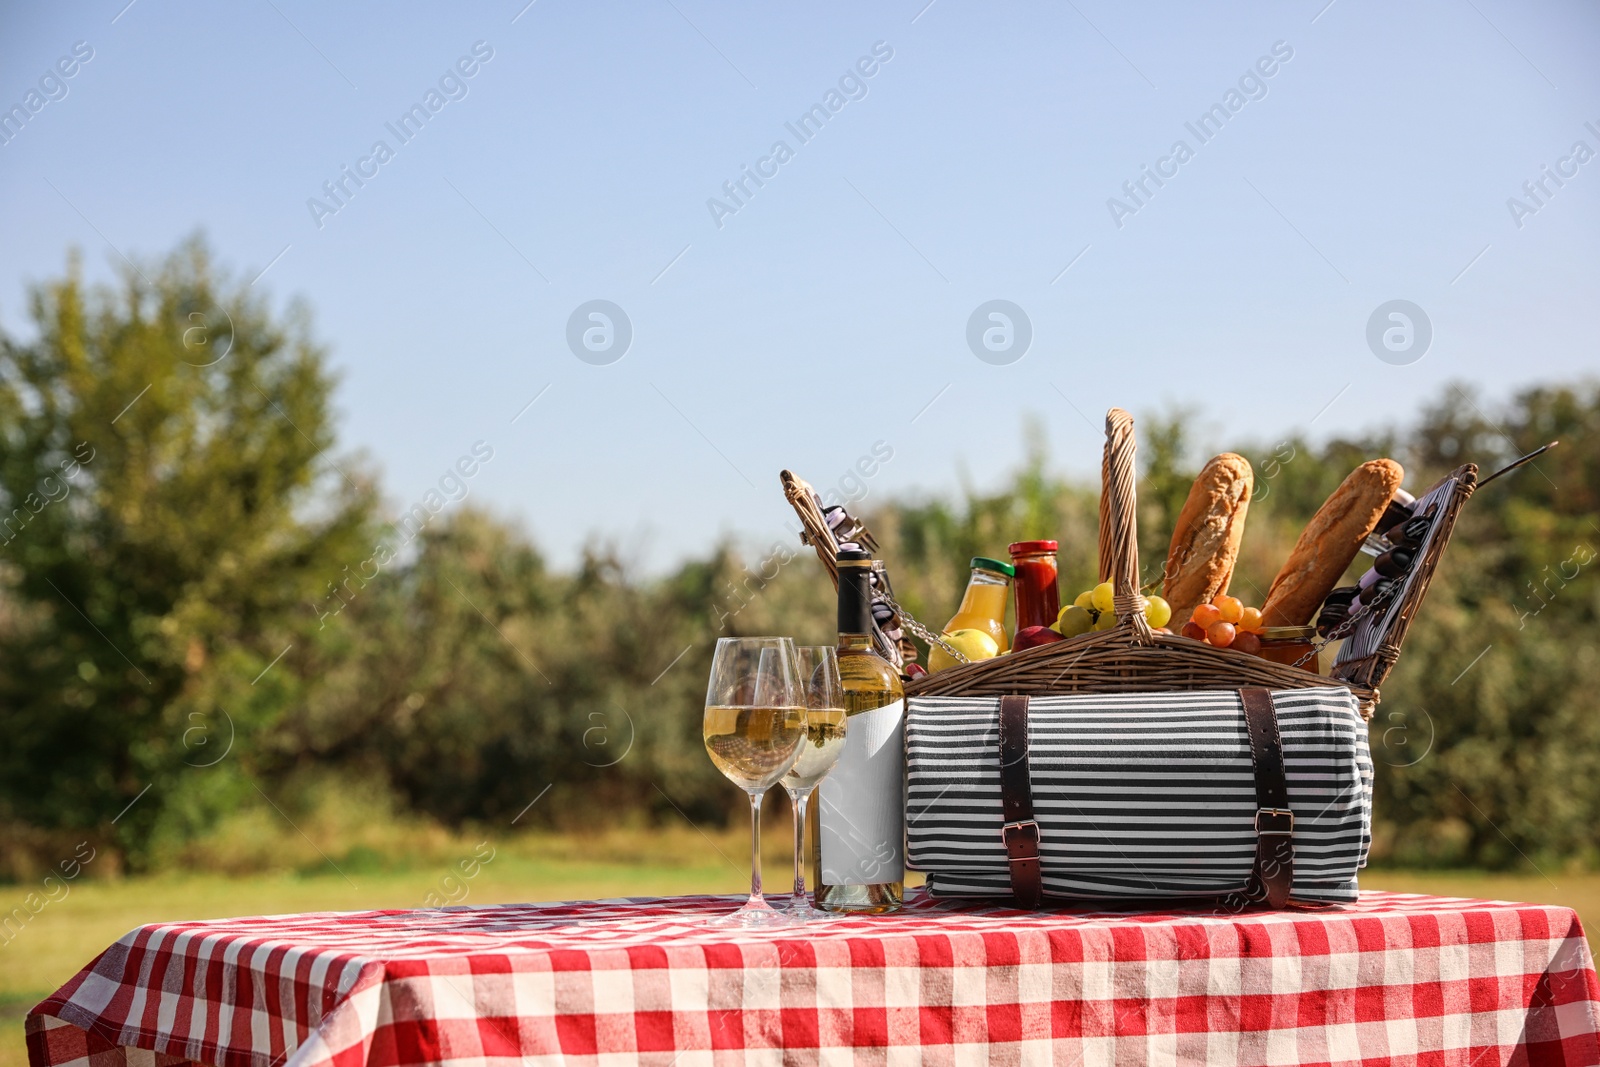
[983, 605]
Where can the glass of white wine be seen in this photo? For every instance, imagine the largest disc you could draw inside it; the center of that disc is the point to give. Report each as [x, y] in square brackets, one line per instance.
[755, 726]
[825, 723]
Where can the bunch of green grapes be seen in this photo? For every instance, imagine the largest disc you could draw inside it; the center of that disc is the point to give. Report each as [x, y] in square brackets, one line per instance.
[1091, 610]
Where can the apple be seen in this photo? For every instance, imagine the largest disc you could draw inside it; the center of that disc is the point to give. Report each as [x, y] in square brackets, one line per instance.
[1032, 636]
[973, 644]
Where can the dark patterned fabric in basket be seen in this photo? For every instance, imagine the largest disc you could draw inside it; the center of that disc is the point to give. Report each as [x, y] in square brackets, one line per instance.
[1370, 652]
[1138, 796]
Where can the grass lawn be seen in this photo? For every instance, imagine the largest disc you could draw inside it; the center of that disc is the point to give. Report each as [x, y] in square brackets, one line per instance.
[68, 933]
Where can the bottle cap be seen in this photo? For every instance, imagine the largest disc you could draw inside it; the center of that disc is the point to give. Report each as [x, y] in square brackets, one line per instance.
[984, 563]
[1020, 547]
[854, 557]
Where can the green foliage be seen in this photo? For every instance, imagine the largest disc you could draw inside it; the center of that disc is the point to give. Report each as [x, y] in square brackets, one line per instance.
[1501, 669]
[1490, 762]
[1165, 478]
[928, 545]
[163, 521]
[175, 523]
[473, 679]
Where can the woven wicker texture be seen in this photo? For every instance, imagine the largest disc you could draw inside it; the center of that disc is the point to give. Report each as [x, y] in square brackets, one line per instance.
[1130, 657]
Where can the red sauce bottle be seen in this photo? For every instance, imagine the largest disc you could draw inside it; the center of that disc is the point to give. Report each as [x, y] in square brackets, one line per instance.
[1038, 601]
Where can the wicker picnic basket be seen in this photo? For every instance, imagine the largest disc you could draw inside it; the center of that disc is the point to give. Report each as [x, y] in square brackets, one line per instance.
[1131, 658]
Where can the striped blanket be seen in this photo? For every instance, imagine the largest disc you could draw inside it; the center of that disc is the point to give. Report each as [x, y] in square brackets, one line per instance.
[1138, 796]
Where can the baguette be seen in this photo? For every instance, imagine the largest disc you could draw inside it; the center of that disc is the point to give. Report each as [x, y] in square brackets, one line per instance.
[1205, 539]
[1329, 542]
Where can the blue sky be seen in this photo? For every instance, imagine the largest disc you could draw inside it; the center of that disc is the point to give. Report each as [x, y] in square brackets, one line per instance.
[830, 311]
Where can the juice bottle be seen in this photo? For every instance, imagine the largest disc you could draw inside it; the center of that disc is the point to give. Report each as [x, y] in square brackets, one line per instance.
[983, 605]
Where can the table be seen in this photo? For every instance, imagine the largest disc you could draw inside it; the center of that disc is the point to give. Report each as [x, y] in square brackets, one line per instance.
[1394, 978]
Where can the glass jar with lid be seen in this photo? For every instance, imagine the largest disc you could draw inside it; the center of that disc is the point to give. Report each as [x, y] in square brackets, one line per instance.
[1289, 645]
[1038, 600]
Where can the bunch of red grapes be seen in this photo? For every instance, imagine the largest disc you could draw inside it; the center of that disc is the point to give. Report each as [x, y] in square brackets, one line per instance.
[1226, 623]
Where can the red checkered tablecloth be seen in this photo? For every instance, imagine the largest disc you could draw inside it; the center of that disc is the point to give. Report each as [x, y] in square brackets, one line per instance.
[1393, 979]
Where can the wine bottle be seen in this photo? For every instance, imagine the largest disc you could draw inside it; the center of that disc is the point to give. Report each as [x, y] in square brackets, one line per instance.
[858, 832]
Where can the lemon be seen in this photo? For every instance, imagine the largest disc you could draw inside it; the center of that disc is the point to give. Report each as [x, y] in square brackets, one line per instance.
[973, 644]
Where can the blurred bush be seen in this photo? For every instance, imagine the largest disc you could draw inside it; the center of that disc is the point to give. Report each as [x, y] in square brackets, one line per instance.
[216, 649]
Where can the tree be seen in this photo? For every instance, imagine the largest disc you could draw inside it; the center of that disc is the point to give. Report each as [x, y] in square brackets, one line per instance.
[1487, 745]
[473, 678]
[168, 511]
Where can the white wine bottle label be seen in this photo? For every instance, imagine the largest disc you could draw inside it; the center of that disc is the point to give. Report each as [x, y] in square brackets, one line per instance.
[861, 803]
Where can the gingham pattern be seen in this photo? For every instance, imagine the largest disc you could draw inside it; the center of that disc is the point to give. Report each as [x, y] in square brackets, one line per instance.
[1392, 979]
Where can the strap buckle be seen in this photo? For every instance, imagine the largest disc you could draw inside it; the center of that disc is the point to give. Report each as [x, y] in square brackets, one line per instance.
[1028, 826]
[1275, 821]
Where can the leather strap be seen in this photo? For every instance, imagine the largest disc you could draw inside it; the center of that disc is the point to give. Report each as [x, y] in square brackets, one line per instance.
[1273, 874]
[1020, 832]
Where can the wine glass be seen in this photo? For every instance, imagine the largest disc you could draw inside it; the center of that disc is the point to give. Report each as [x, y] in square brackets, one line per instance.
[825, 725]
[755, 725]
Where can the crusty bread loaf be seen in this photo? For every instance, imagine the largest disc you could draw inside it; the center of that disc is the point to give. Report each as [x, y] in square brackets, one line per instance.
[1329, 542]
[1205, 539]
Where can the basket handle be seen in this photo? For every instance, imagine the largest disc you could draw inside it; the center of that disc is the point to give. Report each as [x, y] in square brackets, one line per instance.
[1119, 530]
